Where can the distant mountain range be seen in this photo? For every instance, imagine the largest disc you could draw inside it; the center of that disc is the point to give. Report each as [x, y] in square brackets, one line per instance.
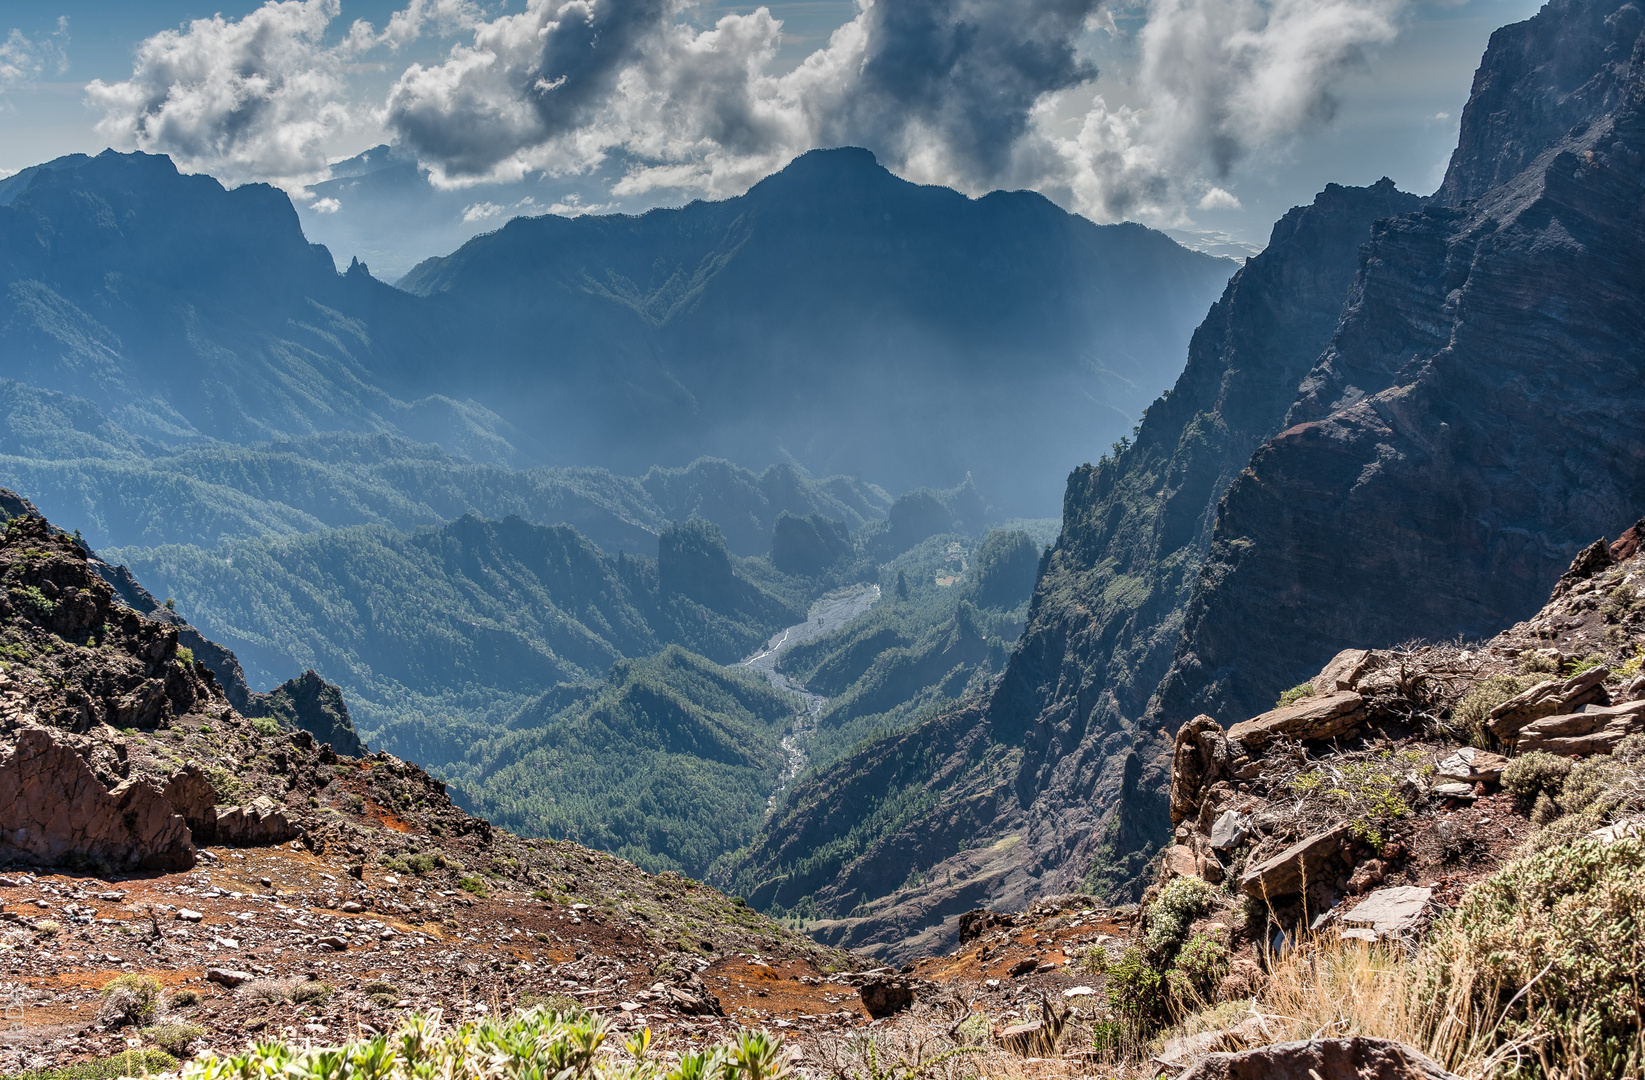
[834, 317]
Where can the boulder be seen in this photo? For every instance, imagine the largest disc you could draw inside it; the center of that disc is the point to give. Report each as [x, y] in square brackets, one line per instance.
[1308, 859]
[1390, 911]
[228, 976]
[1342, 673]
[1199, 759]
[1319, 717]
[1358, 1058]
[1621, 830]
[259, 823]
[1595, 730]
[1230, 830]
[1473, 766]
[193, 796]
[885, 996]
[1549, 698]
[975, 923]
[54, 807]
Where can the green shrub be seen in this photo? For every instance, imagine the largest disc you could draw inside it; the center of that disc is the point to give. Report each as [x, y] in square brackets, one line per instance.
[313, 992]
[266, 726]
[1595, 792]
[1203, 962]
[1295, 694]
[129, 999]
[132, 1063]
[1534, 774]
[185, 656]
[1469, 717]
[1552, 943]
[32, 601]
[1538, 663]
[1136, 991]
[183, 999]
[475, 885]
[173, 1038]
[1179, 903]
[536, 1042]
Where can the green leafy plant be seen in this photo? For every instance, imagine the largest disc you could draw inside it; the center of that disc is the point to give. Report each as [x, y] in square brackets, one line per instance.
[173, 1038]
[129, 999]
[1470, 715]
[185, 656]
[266, 726]
[131, 1063]
[1537, 773]
[474, 885]
[1295, 694]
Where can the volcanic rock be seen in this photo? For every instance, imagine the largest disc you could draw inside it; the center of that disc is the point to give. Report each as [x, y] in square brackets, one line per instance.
[257, 824]
[1321, 716]
[56, 808]
[1357, 1058]
[1306, 860]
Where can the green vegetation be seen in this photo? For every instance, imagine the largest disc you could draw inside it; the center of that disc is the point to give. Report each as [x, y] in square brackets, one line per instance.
[530, 1043]
[1167, 974]
[266, 725]
[129, 999]
[1532, 776]
[1552, 945]
[1294, 695]
[439, 636]
[669, 763]
[1365, 790]
[185, 655]
[131, 1063]
[1469, 717]
[173, 1038]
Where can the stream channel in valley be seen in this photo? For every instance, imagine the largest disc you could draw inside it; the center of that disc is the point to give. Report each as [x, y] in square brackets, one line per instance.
[827, 615]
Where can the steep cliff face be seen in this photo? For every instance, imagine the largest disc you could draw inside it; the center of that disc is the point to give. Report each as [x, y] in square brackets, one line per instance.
[1055, 757]
[1476, 419]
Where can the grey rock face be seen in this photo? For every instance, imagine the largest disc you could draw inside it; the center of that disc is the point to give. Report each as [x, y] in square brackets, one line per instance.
[1321, 1059]
[260, 823]
[1458, 442]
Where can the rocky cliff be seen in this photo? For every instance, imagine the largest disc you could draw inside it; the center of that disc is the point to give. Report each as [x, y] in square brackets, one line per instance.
[1409, 438]
[1475, 420]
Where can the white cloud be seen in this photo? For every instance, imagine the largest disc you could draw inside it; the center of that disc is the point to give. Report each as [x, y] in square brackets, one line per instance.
[971, 93]
[968, 93]
[1217, 199]
[23, 60]
[327, 205]
[445, 17]
[255, 98]
[480, 211]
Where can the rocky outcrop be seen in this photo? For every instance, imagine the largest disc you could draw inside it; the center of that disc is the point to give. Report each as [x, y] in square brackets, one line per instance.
[193, 797]
[1456, 445]
[1318, 716]
[311, 704]
[1595, 730]
[1549, 698]
[55, 809]
[1314, 858]
[259, 823]
[1358, 1058]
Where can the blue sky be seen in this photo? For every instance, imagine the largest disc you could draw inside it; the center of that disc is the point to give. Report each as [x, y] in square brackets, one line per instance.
[1175, 129]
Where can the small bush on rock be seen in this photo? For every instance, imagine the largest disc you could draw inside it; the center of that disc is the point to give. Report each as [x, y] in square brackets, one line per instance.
[311, 993]
[1295, 694]
[129, 999]
[1469, 717]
